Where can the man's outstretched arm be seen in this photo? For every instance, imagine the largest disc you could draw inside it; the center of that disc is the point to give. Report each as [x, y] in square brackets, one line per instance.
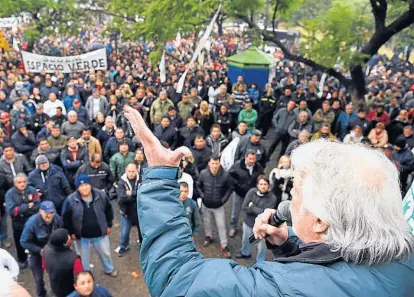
[171, 265]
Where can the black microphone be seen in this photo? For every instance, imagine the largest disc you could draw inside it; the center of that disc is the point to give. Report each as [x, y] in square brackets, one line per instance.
[281, 216]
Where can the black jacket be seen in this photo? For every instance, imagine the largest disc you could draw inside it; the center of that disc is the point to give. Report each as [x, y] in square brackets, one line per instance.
[187, 136]
[24, 145]
[59, 263]
[215, 190]
[242, 179]
[73, 212]
[201, 157]
[254, 204]
[101, 177]
[128, 203]
[72, 167]
[169, 135]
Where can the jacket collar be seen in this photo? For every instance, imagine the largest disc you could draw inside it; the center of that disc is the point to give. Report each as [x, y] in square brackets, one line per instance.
[313, 253]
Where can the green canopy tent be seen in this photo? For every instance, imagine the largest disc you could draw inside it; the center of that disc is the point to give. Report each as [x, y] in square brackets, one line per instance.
[254, 65]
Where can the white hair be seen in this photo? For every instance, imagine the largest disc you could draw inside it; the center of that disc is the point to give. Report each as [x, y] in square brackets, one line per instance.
[355, 190]
[72, 112]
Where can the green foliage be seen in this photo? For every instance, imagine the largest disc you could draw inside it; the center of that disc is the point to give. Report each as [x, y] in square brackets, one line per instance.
[405, 37]
[336, 33]
[49, 17]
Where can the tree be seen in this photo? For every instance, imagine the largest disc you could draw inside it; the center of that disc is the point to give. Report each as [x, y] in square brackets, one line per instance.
[49, 17]
[344, 31]
[337, 36]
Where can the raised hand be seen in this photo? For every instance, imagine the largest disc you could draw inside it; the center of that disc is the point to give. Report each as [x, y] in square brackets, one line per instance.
[156, 154]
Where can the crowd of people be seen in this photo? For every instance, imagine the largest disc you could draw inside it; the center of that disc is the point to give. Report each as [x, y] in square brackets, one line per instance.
[69, 156]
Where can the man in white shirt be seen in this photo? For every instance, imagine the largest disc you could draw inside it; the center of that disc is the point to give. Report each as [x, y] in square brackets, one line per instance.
[50, 105]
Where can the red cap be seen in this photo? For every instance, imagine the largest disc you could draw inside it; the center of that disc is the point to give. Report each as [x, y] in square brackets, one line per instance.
[5, 116]
[76, 101]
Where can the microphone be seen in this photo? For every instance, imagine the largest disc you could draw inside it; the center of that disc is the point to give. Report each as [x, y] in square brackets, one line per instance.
[281, 216]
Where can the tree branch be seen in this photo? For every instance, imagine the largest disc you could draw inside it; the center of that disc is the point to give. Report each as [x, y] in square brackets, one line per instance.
[274, 15]
[379, 10]
[381, 37]
[298, 58]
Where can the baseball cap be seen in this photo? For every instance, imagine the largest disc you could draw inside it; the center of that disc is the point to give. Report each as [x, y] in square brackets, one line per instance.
[41, 159]
[47, 206]
[76, 101]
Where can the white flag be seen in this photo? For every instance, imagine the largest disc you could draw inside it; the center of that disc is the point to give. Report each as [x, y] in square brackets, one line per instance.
[322, 82]
[178, 39]
[163, 75]
[201, 45]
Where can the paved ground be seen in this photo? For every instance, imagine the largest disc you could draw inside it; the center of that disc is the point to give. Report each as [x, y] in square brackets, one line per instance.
[127, 286]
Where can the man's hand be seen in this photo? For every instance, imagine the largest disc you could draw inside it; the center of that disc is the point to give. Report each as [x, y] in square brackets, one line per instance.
[30, 205]
[41, 252]
[108, 231]
[68, 161]
[73, 236]
[128, 193]
[275, 235]
[155, 153]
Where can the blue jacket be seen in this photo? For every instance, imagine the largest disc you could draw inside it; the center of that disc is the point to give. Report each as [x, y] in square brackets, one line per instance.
[68, 101]
[17, 205]
[36, 232]
[73, 212]
[97, 292]
[343, 123]
[254, 95]
[55, 187]
[172, 266]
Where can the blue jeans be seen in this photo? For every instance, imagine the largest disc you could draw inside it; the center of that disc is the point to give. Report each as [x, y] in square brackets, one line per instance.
[3, 226]
[246, 246]
[101, 247]
[237, 202]
[126, 226]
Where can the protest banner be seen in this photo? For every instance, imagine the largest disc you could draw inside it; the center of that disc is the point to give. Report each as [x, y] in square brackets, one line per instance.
[10, 22]
[95, 60]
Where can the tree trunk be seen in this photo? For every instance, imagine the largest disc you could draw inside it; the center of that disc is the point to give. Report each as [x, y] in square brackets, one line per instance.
[357, 87]
[219, 23]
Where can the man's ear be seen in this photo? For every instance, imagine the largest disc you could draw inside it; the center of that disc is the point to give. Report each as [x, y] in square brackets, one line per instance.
[320, 227]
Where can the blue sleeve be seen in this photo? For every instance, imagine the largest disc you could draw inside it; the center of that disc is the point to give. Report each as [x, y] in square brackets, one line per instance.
[169, 261]
[28, 236]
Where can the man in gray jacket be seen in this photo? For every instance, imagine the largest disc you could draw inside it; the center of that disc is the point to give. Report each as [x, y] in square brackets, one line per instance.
[281, 121]
[12, 163]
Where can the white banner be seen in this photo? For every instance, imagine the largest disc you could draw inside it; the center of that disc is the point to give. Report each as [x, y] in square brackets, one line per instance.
[95, 60]
[201, 46]
[10, 22]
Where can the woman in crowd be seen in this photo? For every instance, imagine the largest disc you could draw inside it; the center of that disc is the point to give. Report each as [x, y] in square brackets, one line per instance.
[378, 136]
[355, 136]
[204, 117]
[85, 286]
[281, 180]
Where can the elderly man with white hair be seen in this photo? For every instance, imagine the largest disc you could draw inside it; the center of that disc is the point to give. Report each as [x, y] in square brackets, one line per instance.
[349, 236]
[72, 127]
